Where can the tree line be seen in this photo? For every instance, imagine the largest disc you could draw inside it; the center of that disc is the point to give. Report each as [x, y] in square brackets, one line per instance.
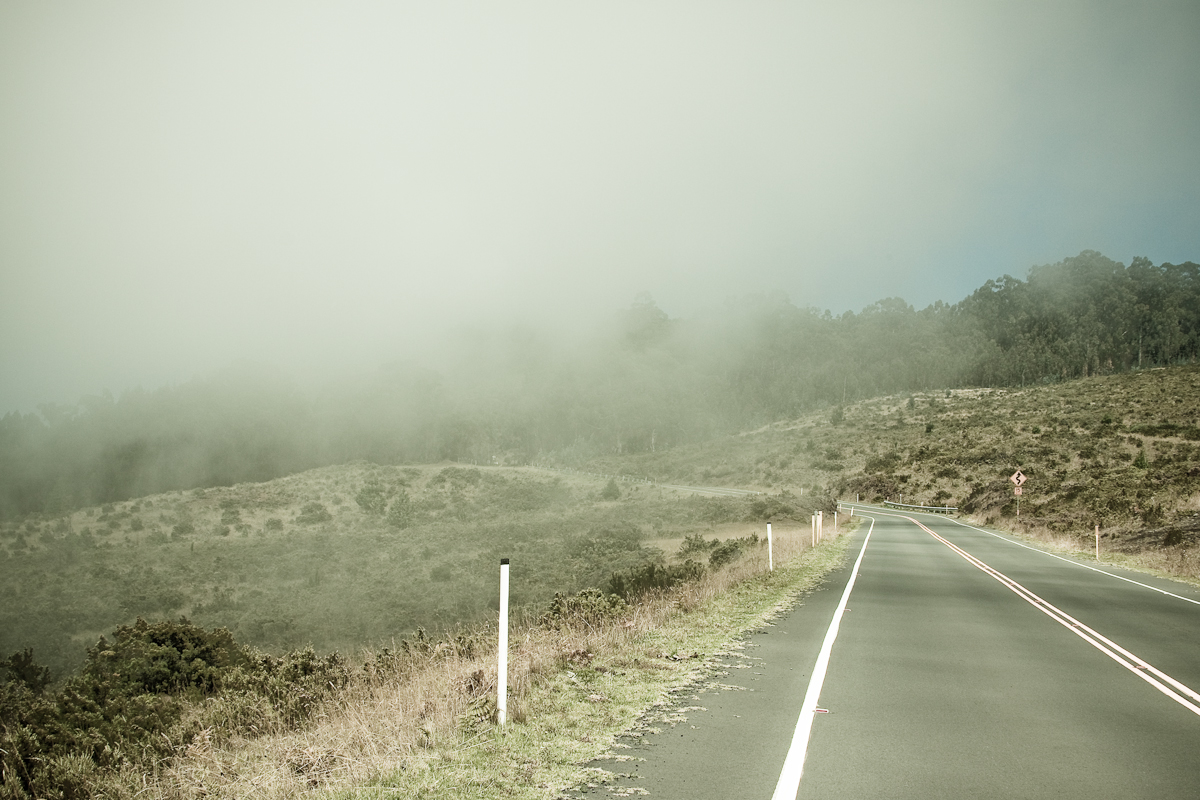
[647, 382]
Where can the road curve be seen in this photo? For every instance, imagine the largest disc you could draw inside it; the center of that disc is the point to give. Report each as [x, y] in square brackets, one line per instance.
[965, 665]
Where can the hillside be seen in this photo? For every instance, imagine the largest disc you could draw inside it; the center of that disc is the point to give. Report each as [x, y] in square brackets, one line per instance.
[362, 558]
[339, 557]
[347, 556]
[1119, 451]
[636, 385]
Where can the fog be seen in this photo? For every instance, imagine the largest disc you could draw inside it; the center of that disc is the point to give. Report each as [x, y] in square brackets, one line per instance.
[326, 188]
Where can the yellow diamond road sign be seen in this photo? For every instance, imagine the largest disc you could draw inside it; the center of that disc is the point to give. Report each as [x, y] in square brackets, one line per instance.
[1018, 478]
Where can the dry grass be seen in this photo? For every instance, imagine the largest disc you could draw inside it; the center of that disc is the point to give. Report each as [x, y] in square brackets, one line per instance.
[423, 725]
[1119, 546]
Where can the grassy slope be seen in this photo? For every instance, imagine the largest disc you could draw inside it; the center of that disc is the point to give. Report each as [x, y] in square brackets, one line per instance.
[423, 730]
[300, 561]
[1120, 451]
[1079, 443]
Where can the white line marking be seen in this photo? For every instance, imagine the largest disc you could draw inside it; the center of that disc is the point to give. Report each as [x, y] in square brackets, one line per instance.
[793, 765]
[1078, 564]
[1126, 659]
[1069, 561]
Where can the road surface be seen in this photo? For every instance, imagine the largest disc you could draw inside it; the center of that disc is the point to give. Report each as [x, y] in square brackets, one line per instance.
[963, 665]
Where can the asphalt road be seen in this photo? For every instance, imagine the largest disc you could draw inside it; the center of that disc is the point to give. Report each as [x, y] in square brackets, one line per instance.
[987, 671]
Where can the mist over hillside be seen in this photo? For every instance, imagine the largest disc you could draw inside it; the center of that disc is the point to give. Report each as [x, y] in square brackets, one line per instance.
[644, 383]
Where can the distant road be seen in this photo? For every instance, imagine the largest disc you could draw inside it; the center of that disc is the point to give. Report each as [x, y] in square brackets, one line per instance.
[965, 665]
[717, 490]
[708, 490]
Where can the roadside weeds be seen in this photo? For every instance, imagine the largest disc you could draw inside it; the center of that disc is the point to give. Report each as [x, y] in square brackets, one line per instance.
[423, 724]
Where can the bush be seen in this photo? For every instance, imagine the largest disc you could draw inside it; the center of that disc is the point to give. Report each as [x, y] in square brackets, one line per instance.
[162, 658]
[883, 463]
[729, 551]
[611, 492]
[372, 499]
[769, 508]
[696, 543]
[126, 707]
[313, 513]
[400, 514]
[652, 577]
[457, 477]
[20, 668]
[589, 607]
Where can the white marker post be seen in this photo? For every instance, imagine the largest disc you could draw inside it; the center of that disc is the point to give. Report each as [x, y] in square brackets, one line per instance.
[835, 523]
[770, 550]
[814, 530]
[1097, 543]
[502, 673]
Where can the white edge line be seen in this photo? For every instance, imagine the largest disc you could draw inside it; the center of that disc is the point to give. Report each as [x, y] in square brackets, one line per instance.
[793, 765]
[1105, 645]
[1071, 561]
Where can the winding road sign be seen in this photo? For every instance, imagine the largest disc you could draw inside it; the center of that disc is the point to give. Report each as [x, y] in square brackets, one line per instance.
[1018, 478]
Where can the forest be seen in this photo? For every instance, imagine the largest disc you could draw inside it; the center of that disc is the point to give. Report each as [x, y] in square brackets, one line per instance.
[648, 383]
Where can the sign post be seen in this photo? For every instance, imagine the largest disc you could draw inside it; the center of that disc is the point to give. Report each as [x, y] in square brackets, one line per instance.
[1017, 478]
[770, 551]
[502, 673]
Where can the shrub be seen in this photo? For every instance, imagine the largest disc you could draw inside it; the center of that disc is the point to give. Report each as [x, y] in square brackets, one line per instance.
[372, 499]
[769, 508]
[126, 707]
[313, 513]
[401, 511]
[651, 577]
[729, 550]
[589, 607]
[611, 492]
[696, 543]
[162, 658]
[22, 669]
[457, 477]
[883, 463]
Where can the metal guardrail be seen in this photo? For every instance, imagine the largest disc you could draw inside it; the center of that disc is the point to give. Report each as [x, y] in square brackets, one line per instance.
[930, 509]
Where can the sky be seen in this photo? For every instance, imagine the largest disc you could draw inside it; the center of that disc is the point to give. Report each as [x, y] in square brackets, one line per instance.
[323, 187]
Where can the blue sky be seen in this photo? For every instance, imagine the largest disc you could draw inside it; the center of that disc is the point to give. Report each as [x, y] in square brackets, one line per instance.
[323, 187]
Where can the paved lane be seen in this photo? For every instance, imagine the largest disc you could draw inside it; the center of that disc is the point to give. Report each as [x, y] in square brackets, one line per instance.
[945, 683]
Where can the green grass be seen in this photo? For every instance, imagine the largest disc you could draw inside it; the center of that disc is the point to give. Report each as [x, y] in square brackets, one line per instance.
[301, 561]
[422, 731]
